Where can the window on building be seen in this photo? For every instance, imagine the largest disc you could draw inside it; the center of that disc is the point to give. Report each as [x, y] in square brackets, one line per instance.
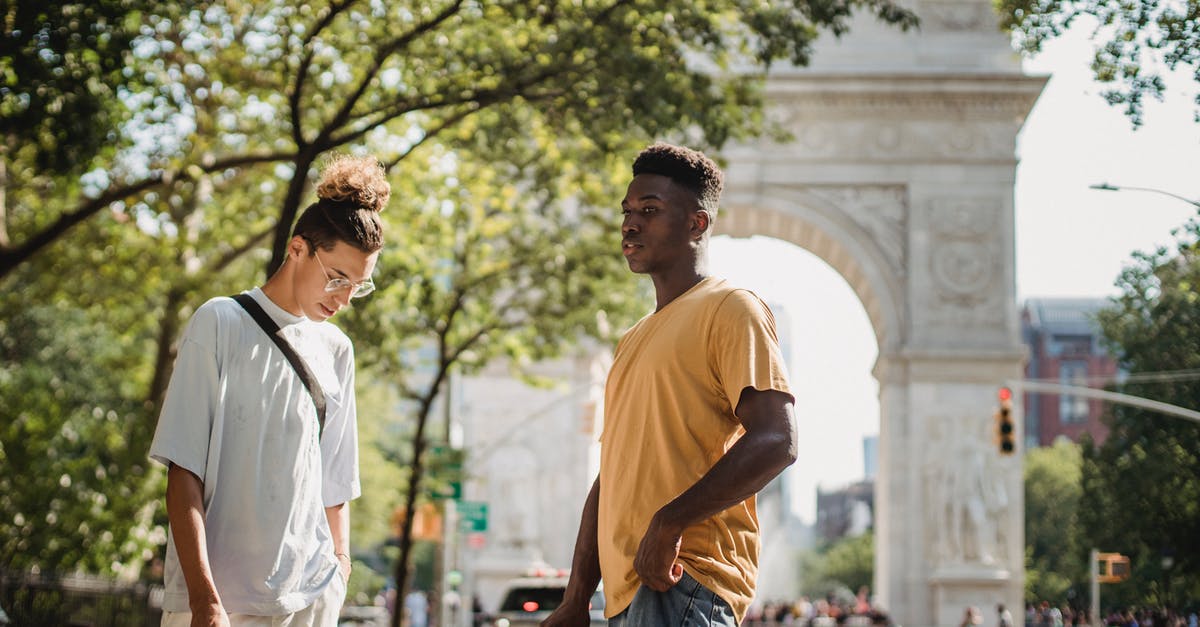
[1072, 409]
[1063, 345]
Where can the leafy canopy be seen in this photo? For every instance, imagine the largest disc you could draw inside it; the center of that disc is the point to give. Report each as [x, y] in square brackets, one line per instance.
[1136, 40]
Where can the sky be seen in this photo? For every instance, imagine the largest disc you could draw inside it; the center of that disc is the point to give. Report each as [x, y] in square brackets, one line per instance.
[1070, 241]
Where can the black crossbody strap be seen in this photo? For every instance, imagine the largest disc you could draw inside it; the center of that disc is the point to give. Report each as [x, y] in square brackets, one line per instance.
[272, 330]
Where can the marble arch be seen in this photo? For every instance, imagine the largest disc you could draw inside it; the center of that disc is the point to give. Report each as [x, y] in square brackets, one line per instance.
[822, 227]
[899, 172]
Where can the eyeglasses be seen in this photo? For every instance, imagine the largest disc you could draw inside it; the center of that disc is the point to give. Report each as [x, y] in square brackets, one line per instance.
[337, 284]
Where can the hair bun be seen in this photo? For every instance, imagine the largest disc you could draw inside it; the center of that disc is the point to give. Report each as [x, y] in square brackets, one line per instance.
[357, 180]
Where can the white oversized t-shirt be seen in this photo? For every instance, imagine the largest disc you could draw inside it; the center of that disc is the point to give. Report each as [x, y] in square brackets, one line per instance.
[238, 416]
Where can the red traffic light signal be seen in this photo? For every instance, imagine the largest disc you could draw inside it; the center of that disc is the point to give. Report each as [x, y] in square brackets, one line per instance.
[1005, 430]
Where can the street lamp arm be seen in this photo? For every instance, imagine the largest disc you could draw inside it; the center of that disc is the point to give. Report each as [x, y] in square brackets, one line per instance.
[1104, 395]
[1116, 188]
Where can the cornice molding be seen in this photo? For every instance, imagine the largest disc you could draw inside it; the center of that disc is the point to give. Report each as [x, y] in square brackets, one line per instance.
[1006, 97]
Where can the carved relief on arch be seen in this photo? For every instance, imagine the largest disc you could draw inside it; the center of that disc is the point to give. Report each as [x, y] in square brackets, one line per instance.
[956, 15]
[965, 256]
[880, 210]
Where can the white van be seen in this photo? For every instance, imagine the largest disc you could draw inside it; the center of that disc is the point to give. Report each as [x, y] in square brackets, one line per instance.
[529, 600]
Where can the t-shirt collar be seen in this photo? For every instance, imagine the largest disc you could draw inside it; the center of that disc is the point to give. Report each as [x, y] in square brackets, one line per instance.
[281, 316]
[706, 281]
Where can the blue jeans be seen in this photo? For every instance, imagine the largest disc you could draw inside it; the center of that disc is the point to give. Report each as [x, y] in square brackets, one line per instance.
[687, 604]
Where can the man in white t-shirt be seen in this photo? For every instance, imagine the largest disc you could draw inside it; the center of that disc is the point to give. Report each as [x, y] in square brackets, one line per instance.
[257, 489]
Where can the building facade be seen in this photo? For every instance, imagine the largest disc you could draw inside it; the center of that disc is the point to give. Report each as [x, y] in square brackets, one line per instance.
[845, 512]
[1064, 347]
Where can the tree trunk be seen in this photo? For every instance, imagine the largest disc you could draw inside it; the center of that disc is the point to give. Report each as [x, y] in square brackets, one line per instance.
[291, 206]
[410, 498]
[410, 507]
[164, 355]
[4, 194]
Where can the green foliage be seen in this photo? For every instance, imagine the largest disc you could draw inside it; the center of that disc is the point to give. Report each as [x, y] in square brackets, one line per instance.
[238, 84]
[841, 568]
[1135, 40]
[61, 71]
[74, 493]
[382, 479]
[486, 269]
[364, 584]
[1055, 557]
[1142, 485]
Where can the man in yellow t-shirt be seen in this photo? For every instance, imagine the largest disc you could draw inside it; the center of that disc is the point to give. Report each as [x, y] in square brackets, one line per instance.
[697, 419]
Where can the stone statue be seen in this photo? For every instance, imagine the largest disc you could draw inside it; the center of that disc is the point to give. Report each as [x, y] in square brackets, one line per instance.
[969, 497]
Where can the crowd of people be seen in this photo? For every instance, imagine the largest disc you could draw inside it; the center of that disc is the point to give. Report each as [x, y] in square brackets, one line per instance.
[1046, 615]
[823, 612]
[1160, 617]
[830, 611]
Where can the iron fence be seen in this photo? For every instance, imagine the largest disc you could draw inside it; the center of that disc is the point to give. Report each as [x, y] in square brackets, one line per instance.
[48, 600]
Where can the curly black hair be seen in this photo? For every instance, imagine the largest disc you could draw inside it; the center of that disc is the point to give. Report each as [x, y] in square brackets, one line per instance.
[689, 168]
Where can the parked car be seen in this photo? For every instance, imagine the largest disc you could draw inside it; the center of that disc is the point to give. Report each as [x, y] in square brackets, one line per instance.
[529, 600]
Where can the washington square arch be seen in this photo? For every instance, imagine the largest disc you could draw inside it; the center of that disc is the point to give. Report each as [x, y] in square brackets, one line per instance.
[899, 174]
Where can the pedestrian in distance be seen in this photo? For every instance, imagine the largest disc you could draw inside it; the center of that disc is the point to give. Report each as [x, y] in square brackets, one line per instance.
[1004, 617]
[698, 418]
[971, 617]
[258, 427]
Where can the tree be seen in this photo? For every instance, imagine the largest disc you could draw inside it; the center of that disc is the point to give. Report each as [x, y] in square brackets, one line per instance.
[1142, 485]
[1136, 40]
[843, 567]
[1055, 561]
[74, 495]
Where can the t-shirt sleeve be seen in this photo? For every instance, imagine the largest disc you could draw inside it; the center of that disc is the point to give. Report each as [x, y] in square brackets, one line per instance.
[744, 348]
[339, 442]
[183, 433]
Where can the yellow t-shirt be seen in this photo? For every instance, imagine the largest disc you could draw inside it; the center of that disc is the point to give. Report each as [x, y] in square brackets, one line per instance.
[669, 403]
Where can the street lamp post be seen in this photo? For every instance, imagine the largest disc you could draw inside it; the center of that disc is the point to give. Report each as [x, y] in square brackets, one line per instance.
[1116, 188]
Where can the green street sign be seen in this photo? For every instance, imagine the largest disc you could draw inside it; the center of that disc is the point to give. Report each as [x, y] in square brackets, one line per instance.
[472, 516]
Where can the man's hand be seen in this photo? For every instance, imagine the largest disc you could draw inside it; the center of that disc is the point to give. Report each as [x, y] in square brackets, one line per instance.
[569, 615]
[655, 562]
[344, 565]
[209, 615]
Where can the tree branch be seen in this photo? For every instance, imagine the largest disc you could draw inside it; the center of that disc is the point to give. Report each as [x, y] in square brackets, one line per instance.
[224, 260]
[335, 9]
[11, 257]
[480, 100]
[343, 115]
[430, 134]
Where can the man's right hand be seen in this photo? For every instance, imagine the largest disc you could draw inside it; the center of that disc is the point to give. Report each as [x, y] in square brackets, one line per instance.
[568, 615]
[212, 615]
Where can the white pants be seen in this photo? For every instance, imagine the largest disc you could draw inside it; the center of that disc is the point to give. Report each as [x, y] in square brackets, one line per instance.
[322, 613]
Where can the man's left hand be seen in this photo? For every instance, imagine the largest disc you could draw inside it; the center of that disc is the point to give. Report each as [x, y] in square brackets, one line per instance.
[656, 563]
[344, 565]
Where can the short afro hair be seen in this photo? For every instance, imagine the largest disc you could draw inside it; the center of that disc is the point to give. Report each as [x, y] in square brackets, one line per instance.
[689, 168]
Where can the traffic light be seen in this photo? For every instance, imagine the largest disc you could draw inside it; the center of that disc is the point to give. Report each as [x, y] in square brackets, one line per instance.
[1005, 431]
[1112, 568]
